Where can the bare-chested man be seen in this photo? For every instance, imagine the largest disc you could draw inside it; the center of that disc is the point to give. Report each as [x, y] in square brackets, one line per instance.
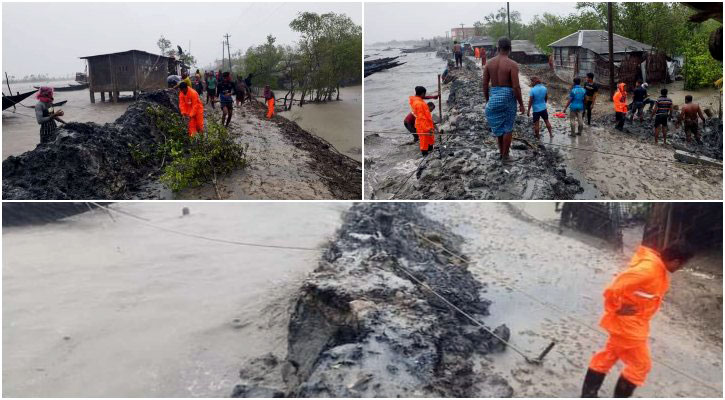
[503, 75]
[689, 113]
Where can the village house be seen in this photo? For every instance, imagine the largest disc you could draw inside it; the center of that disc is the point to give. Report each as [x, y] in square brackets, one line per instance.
[588, 51]
[128, 71]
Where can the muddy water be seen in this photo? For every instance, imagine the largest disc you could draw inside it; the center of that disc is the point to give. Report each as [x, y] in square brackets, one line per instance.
[390, 157]
[96, 308]
[21, 131]
[338, 122]
[570, 274]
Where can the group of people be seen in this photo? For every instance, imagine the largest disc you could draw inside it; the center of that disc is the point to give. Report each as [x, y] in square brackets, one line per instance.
[502, 91]
[217, 85]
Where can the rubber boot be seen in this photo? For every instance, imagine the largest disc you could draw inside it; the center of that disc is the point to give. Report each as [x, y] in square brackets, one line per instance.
[624, 388]
[592, 382]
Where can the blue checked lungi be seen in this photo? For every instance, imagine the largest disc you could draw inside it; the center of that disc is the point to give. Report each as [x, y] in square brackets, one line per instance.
[501, 110]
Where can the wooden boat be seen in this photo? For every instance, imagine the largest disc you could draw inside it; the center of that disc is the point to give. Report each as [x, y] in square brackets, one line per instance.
[68, 88]
[9, 101]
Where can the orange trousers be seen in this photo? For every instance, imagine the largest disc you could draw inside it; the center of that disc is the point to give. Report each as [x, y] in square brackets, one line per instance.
[270, 108]
[634, 355]
[426, 141]
[196, 124]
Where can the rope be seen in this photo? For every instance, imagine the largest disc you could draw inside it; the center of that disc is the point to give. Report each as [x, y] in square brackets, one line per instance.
[147, 222]
[567, 314]
[409, 176]
[474, 320]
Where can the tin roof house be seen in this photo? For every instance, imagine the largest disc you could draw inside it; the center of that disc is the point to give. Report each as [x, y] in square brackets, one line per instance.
[128, 71]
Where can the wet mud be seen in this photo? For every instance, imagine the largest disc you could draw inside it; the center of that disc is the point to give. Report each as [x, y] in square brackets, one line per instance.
[88, 160]
[467, 166]
[361, 327]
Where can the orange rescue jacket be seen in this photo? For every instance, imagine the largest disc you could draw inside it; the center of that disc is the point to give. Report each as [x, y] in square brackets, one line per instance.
[620, 98]
[423, 117]
[189, 103]
[643, 285]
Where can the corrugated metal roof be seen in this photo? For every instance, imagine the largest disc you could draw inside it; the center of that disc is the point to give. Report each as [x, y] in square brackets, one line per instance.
[124, 52]
[524, 46]
[481, 41]
[597, 41]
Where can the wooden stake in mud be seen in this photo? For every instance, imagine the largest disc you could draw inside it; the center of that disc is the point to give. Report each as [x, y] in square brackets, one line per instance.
[610, 34]
[10, 92]
[440, 109]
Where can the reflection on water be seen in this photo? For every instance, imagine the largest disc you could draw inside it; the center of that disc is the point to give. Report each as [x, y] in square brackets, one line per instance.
[21, 131]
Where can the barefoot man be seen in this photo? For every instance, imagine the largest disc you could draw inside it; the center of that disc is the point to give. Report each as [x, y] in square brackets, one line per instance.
[689, 114]
[630, 301]
[502, 75]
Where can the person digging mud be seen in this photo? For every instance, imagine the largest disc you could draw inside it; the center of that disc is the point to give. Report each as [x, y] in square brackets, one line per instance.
[191, 108]
[689, 114]
[630, 302]
[576, 106]
[424, 126]
[226, 89]
[211, 89]
[639, 101]
[46, 119]
[502, 74]
[592, 89]
[662, 111]
[538, 97]
[458, 54]
[409, 122]
[620, 105]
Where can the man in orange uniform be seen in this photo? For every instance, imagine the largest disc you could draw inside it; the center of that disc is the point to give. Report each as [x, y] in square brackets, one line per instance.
[620, 105]
[630, 301]
[423, 120]
[476, 52]
[191, 107]
[269, 99]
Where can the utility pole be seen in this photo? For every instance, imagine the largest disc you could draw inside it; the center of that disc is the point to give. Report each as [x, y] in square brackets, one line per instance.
[229, 52]
[610, 34]
[463, 32]
[508, 18]
[223, 57]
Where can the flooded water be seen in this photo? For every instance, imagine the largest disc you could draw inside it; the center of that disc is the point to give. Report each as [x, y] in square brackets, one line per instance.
[338, 122]
[387, 92]
[524, 265]
[97, 308]
[21, 131]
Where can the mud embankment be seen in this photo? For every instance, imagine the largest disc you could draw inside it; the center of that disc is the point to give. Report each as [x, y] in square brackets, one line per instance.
[361, 327]
[466, 164]
[90, 161]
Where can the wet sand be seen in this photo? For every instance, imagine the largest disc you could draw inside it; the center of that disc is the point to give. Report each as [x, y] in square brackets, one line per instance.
[571, 274]
[338, 122]
[95, 308]
[21, 130]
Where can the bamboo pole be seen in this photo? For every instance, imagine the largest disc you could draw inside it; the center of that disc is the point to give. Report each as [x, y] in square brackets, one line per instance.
[440, 109]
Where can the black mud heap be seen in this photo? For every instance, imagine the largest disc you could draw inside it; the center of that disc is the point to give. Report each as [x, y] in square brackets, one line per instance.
[468, 167]
[87, 160]
[362, 328]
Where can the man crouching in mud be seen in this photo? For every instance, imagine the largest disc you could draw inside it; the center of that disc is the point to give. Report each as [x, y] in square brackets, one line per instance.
[630, 301]
[503, 74]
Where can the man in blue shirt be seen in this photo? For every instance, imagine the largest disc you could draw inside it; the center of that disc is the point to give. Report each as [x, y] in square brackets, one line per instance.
[576, 101]
[537, 100]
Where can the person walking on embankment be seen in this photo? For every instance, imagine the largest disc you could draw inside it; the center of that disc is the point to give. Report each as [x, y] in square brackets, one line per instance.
[620, 105]
[502, 75]
[576, 107]
[538, 97]
[269, 99]
[630, 302]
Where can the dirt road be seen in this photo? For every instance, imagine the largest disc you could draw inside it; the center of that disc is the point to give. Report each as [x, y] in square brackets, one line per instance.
[571, 274]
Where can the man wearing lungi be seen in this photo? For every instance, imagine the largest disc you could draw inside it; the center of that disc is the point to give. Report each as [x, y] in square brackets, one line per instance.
[502, 75]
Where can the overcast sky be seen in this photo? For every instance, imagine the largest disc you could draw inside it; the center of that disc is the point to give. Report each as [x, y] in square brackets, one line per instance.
[49, 37]
[412, 21]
